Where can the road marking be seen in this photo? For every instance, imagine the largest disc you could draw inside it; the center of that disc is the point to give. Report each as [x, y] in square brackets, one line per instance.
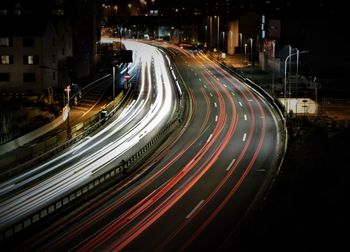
[215, 105]
[230, 165]
[240, 103]
[225, 86]
[195, 209]
[199, 79]
[244, 137]
[245, 117]
[216, 118]
[205, 86]
[233, 93]
[209, 138]
[250, 100]
[211, 94]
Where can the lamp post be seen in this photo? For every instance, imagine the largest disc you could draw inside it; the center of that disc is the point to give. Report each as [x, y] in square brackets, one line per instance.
[240, 47]
[251, 50]
[223, 41]
[210, 32]
[113, 84]
[218, 31]
[290, 67]
[205, 36]
[69, 132]
[285, 80]
[217, 19]
[273, 69]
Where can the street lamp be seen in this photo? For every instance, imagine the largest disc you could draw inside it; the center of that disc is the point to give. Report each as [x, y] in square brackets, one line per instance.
[223, 41]
[205, 35]
[285, 80]
[273, 68]
[217, 18]
[241, 47]
[69, 132]
[251, 50]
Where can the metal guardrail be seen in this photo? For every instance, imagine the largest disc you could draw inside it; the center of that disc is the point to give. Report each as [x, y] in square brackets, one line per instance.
[48, 148]
[88, 187]
[95, 184]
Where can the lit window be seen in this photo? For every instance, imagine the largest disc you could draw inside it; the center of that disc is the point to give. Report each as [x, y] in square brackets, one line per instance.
[5, 42]
[6, 59]
[30, 60]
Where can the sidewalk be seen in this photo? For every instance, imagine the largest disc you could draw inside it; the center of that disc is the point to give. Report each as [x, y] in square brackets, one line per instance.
[42, 143]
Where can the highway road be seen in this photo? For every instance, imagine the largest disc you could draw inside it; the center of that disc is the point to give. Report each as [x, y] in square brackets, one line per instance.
[151, 107]
[198, 187]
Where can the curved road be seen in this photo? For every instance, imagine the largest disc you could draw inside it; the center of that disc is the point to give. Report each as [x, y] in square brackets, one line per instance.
[197, 188]
[153, 106]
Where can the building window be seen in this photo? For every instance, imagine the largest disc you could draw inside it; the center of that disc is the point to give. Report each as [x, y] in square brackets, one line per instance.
[58, 12]
[5, 42]
[3, 12]
[28, 42]
[31, 60]
[29, 77]
[53, 58]
[53, 75]
[17, 12]
[62, 51]
[53, 41]
[4, 76]
[6, 59]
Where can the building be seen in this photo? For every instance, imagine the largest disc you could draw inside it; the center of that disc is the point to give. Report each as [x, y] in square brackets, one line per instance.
[33, 53]
[86, 35]
[63, 34]
[35, 46]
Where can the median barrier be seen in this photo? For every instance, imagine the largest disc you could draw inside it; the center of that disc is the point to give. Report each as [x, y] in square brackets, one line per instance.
[121, 170]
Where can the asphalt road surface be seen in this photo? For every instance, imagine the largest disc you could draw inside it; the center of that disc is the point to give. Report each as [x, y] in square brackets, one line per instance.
[197, 189]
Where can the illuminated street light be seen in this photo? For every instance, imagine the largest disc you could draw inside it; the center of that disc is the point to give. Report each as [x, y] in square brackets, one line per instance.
[285, 80]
